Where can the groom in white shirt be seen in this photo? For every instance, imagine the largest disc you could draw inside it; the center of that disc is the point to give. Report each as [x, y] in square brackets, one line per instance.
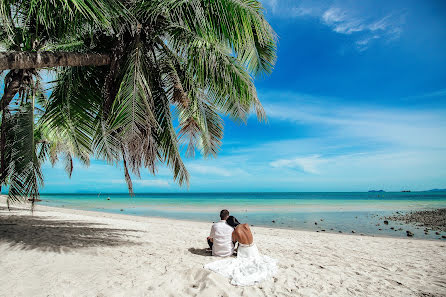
[220, 239]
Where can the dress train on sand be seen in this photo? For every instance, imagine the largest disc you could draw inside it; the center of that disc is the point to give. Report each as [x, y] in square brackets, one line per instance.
[248, 268]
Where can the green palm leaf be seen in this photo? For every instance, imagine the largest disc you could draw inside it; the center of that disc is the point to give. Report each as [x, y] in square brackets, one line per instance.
[25, 173]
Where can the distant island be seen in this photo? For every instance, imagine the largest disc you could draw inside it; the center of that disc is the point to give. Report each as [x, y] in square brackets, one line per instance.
[408, 191]
[437, 190]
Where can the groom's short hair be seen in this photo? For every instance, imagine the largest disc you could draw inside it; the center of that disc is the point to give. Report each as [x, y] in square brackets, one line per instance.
[224, 214]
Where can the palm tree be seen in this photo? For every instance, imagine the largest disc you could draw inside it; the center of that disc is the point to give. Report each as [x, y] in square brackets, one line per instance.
[27, 27]
[165, 64]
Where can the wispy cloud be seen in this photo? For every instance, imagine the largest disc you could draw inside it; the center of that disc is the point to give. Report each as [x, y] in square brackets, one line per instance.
[206, 169]
[307, 164]
[341, 22]
[344, 21]
[387, 126]
[225, 168]
[439, 93]
[345, 18]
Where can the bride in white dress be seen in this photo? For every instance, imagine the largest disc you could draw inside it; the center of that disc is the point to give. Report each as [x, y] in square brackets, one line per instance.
[250, 266]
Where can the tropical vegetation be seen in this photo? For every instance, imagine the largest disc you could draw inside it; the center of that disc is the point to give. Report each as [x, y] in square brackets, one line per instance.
[133, 81]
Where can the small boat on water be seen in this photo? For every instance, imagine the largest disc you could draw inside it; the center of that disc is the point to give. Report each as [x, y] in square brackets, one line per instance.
[405, 191]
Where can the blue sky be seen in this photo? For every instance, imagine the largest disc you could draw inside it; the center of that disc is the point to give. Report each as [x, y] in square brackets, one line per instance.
[357, 101]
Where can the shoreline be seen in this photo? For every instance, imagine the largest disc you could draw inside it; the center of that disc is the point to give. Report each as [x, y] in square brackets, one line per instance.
[320, 228]
[70, 252]
[272, 227]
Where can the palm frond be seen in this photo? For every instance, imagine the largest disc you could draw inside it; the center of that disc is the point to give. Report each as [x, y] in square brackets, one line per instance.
[237, 24]
[25, 168]
[212, 66]
[200, 125]
[72, 113]
[50, 15]
[166, 136]
[133, 105]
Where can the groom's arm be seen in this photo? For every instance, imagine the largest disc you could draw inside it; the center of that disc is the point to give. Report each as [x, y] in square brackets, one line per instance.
[212, 234]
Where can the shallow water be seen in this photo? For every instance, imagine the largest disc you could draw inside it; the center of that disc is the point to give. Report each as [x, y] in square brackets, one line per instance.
[345, 212]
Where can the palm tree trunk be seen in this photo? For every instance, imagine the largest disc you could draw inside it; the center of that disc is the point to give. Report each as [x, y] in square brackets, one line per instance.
[13, 81]
[36, 60]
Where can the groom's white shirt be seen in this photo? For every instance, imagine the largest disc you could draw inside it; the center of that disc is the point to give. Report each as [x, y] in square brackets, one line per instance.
[221, 233]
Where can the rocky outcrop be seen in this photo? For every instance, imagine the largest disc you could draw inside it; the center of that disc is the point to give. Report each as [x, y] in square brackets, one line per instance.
[432, 219]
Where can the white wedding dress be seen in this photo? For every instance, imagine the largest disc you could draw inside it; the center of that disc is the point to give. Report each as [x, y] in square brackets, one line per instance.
[248, 268]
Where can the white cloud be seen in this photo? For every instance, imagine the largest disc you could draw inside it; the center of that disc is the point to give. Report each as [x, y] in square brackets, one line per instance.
[300, 11]
[389, 170]
[399, 127]
[306, 164]
[209, 170]
[339, 20]
[345, 21]
[363, 44]
[348, 18]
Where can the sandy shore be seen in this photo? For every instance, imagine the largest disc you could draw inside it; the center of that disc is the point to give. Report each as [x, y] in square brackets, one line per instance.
[63, 252]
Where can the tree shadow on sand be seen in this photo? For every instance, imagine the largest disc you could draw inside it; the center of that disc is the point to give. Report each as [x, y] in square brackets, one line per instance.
[48, 234]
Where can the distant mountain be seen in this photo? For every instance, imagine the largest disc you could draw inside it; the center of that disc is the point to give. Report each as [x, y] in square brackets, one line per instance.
[437, 190]
[376, 191]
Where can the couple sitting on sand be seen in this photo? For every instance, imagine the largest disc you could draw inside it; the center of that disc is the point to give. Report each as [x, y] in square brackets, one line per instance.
[226, 233]
[250, 266]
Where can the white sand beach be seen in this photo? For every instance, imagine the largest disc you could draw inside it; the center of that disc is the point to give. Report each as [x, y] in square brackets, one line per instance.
[63, 252]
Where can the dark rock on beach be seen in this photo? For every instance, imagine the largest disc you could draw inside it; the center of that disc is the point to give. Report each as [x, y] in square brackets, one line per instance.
[429, 219]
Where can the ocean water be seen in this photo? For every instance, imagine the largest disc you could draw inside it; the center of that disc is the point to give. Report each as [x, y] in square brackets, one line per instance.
[360, 212]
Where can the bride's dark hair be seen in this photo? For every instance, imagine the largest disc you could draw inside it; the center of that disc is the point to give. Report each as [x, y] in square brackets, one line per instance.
[232, 221]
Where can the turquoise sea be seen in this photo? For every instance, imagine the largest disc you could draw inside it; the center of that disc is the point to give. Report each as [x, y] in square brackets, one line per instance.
[333, 212]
